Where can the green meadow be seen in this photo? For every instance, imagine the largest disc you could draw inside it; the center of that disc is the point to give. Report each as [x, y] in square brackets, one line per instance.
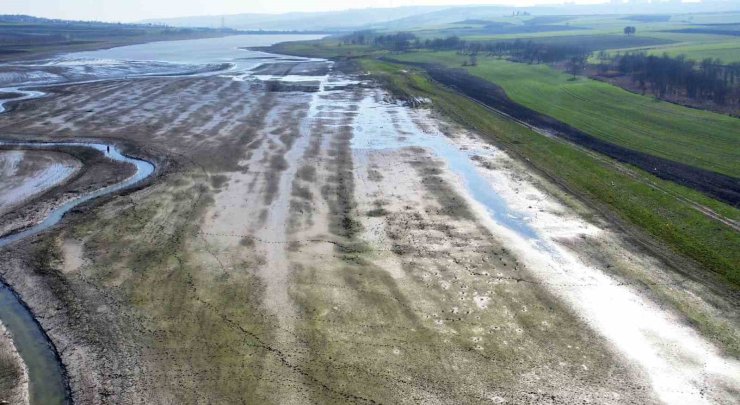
[699, 138]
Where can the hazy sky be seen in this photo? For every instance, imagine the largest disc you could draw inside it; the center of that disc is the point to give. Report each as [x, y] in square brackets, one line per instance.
[133, 10]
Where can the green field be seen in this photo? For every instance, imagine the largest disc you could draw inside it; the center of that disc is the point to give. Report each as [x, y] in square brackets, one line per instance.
[605, 32]
[727, 52]
[699, 138]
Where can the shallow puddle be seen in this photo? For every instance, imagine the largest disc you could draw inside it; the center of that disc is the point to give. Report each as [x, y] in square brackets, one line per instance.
[374, 130]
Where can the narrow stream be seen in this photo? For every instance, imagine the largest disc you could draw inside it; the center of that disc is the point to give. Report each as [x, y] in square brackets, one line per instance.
[24, 95]
[47, 382]
[143, 170]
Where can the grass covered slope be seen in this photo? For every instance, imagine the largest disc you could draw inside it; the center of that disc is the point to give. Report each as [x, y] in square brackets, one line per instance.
[698, 138]
[726, 51]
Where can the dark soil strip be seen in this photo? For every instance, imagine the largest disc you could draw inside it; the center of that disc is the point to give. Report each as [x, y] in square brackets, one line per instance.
[715, 185]
[293, 68]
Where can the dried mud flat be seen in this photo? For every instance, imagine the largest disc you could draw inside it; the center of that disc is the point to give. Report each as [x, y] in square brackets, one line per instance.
[36, 181]
[27, 174]
[286, 258]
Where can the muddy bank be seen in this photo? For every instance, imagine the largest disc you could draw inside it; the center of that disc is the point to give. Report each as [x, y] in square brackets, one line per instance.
[90, 323]
[313, 68]
[13, 372]
[93, 171]
[96, 328]
[721, 187]
[207, 113]
[26, 174]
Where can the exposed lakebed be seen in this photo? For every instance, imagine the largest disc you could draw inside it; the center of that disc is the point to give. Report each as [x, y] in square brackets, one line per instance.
[46, 375]
[643, 332]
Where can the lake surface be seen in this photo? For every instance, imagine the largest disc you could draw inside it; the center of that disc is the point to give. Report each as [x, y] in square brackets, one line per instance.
[198, 56]
[198, 51]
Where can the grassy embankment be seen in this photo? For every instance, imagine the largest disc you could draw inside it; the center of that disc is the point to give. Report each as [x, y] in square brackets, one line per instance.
[635, 203]
[695, 137]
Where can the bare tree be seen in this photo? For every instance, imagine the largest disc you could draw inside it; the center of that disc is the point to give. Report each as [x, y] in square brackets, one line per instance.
[576, 65]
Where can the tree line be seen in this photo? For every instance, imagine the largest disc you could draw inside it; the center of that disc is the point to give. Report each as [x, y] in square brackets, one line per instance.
[708, 79]
[518, 50]
[663, 76]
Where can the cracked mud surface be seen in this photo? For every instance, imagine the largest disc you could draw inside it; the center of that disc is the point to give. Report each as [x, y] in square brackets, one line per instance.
[278, 262]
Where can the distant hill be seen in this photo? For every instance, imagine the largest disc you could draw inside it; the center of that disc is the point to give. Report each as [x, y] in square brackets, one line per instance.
[333, 20]
[410, 17]
[24, 37]
[20, 19]
[466, 14]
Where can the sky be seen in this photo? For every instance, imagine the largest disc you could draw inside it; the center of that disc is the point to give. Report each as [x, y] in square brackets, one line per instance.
[136, 10]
